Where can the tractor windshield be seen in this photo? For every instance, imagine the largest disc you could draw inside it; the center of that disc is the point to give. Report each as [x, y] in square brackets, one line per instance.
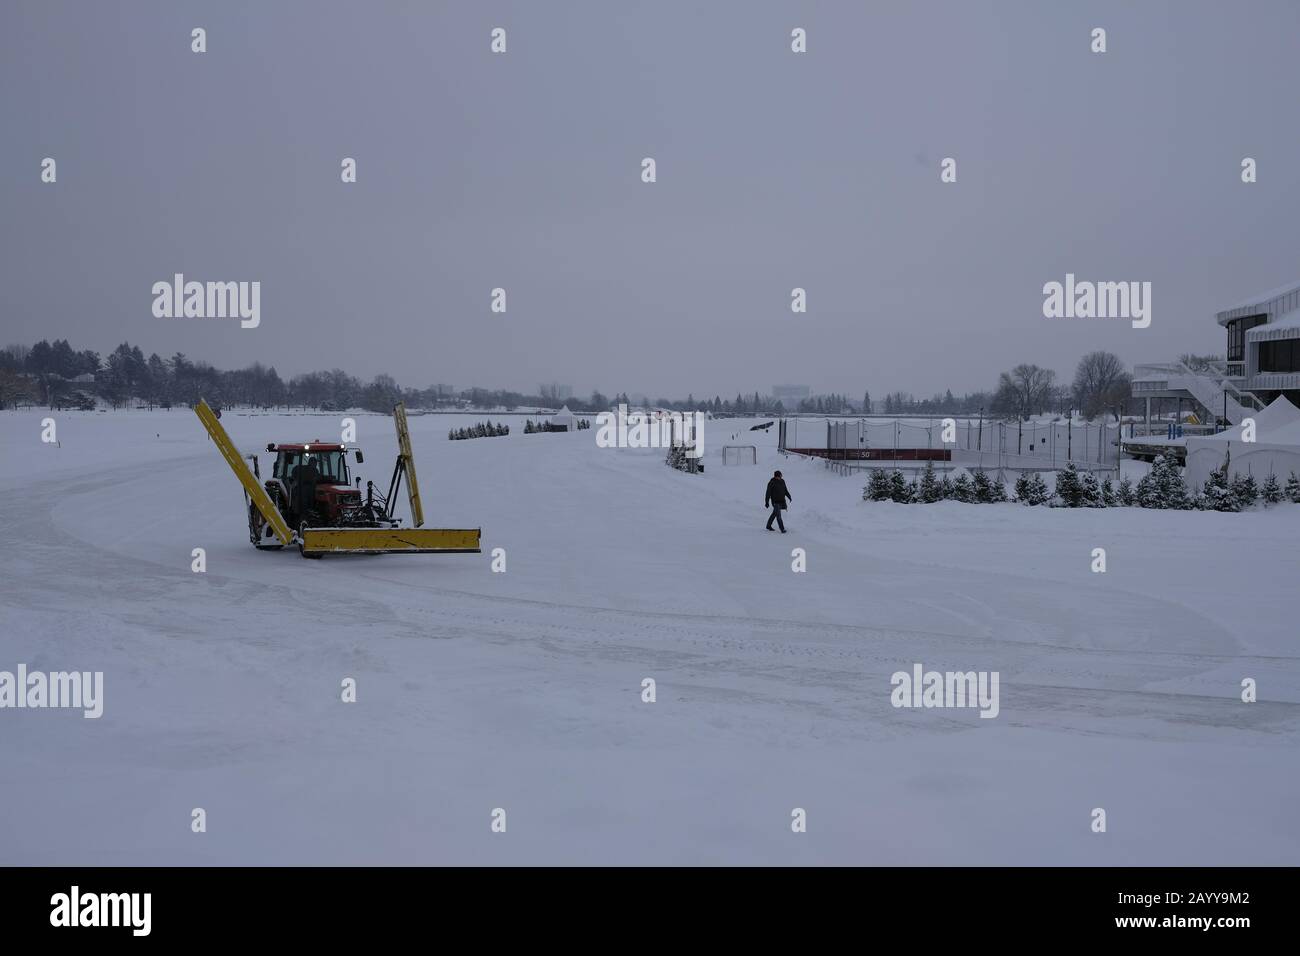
[330, 467]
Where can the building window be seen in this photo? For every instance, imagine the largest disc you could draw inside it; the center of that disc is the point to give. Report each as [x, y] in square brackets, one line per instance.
[1282, 355]
[1237, 330]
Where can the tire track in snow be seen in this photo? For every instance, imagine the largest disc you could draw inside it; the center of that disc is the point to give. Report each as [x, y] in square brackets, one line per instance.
[709, 653]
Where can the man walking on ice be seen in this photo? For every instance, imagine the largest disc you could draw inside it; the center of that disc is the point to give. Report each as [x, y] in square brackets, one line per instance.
[777, 495]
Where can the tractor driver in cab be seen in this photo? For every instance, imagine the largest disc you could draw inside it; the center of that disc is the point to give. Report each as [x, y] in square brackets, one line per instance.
[305, 477]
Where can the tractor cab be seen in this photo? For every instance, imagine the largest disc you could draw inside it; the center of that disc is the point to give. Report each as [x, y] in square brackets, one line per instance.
[315, 480]
[328, 463]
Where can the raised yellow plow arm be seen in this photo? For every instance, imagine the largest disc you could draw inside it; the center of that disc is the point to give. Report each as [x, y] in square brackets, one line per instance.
[256, 493]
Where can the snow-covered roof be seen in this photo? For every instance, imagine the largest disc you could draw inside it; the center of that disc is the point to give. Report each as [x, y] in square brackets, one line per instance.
[1284, 327]
[1278, 424]
[1254, 303]
[1264, 296]
[562, 417]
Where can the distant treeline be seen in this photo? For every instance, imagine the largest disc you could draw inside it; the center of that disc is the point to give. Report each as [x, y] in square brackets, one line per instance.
[57, 375]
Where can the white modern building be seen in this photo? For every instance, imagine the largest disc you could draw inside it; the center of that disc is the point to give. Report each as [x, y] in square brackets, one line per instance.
[1264, 343]
[1263, 362]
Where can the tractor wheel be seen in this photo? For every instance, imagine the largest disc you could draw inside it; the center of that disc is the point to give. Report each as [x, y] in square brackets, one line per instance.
[259, 533]
[255, 524]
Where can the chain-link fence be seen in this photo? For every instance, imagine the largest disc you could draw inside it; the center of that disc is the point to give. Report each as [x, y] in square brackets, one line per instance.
[996, 443]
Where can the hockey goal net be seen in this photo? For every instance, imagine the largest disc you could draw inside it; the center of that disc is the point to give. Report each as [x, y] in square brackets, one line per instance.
[739, 455]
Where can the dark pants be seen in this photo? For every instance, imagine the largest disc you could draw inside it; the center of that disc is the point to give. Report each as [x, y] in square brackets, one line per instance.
[775, 516]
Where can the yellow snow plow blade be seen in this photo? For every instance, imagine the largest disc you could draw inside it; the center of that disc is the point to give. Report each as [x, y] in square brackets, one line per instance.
[321, 541]
[245, 475]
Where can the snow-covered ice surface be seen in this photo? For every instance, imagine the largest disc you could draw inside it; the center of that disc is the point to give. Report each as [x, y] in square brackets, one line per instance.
[522, 690]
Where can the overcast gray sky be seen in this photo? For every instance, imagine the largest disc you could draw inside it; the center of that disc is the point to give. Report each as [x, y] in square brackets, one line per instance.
[522, 171]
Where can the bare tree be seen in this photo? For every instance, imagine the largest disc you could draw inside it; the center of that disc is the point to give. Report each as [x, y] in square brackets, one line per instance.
[16, 388]
[1025, 390]
[15, 356]
[1200, 363]
[1100, 382]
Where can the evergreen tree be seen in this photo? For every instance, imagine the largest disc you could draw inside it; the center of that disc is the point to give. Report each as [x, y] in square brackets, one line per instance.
[1091, 491]
[963, 489]
[1217, 494]
[1125, 494]
[1174, 488]
[1245, 489]
[1038, 493]
[1068, 487]
[1107, 496]
[1162, 486]
[898, 490]
[877, 488]
[1293, 488]
[981, 487]
[929, 489]
[1272, 491]
[998, 489]
[1031, 489]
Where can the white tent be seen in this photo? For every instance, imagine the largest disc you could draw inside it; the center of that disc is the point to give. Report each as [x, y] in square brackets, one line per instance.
[564, 419]
[1275, 450]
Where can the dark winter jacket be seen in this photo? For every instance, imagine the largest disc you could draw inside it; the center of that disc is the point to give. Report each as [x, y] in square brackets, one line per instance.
[777, 494]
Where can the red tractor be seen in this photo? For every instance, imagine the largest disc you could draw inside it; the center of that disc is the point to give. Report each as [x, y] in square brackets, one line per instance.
[310, 499]
[311, 486]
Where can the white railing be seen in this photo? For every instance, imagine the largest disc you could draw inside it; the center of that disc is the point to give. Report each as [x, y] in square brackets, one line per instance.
[1211, 387]
[1157, 371]
[1166, 429]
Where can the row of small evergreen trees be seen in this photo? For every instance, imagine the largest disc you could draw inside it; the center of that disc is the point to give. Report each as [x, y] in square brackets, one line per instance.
[481, 430]
[929, 487]
[531, 427]
[1221, 491]
[1162, 487]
